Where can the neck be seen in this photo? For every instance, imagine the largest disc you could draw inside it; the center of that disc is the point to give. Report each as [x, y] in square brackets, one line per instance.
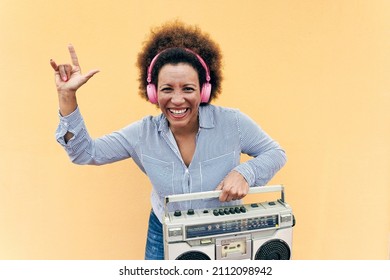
[188, 130]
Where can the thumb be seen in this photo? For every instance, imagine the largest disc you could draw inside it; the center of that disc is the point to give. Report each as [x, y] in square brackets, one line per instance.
[90, 74]
[219, 187]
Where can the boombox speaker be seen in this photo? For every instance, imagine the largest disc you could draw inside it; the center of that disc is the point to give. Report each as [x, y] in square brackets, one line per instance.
[256, 231]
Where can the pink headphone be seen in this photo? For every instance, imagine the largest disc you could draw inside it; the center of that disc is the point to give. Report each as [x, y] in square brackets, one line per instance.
[151, 88]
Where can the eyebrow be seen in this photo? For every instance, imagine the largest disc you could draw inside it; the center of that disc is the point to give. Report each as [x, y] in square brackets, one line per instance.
[185, 85]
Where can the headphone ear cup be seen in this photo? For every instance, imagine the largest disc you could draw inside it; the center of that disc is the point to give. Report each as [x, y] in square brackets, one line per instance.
[205, 93]
[152, 93]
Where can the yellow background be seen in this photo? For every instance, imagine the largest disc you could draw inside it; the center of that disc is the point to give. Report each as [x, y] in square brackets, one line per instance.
[314, 74]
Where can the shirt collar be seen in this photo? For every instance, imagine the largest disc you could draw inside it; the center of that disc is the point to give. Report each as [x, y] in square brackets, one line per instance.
[206, 116]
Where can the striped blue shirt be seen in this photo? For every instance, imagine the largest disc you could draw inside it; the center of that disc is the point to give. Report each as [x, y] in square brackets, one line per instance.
[224, 134]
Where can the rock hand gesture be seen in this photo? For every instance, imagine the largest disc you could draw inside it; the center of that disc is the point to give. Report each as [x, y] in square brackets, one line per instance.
[69, 79]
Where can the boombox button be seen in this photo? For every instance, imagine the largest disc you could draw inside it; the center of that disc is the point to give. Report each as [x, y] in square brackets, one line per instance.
[175, 232]
[177, 213]
[215, 212]
[205, 241]
[190, 212]
[242, 209]
[285, 218]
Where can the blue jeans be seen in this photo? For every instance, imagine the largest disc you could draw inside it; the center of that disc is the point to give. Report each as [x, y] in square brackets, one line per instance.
[154, 243]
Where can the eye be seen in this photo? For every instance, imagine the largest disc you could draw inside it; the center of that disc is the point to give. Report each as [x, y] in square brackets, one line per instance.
[166, 90]
[188, 89]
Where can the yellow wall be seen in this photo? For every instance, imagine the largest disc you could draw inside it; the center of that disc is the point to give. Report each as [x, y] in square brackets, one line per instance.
[314, 74]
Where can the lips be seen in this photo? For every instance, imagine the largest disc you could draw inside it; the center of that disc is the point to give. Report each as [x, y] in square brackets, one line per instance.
[177, 113]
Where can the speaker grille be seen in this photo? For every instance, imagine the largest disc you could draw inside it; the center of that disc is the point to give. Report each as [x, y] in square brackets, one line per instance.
[275, 249]
[193, 255]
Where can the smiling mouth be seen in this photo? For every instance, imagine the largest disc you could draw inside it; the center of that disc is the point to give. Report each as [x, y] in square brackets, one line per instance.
[178, 112]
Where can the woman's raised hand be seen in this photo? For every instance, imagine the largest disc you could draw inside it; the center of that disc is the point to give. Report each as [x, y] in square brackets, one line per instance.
[68, 78]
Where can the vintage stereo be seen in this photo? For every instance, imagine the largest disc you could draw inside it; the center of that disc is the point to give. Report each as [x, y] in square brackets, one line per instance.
[254, 231]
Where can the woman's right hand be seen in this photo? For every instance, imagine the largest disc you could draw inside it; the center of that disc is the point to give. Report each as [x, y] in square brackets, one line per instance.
[69, 79]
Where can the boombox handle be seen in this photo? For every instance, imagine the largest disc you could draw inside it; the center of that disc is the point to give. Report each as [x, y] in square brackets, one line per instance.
[214, 194]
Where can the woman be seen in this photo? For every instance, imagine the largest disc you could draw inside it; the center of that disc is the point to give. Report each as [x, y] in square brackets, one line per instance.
[191, 146]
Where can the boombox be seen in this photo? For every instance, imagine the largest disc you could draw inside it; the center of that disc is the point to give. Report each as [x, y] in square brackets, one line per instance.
[255, 231]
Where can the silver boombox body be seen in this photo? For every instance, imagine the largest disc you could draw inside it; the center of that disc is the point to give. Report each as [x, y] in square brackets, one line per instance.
[255, 231]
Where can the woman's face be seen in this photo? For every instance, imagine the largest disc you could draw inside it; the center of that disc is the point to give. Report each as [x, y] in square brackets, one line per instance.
[178, 94]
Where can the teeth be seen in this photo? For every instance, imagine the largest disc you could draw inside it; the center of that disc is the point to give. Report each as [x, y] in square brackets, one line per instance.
[178, 111]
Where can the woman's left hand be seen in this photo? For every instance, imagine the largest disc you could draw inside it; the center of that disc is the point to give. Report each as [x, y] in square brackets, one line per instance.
[233, 187]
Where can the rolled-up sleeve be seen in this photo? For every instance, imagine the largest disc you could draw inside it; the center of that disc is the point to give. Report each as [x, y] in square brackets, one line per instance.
[268, 156]
[71, 123]
[82, 149]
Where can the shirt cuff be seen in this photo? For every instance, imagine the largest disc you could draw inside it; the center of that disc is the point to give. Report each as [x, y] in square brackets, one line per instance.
[68, 123]
[245, 170]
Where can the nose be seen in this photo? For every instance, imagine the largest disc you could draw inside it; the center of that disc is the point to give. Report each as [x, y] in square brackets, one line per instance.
[177, 97]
